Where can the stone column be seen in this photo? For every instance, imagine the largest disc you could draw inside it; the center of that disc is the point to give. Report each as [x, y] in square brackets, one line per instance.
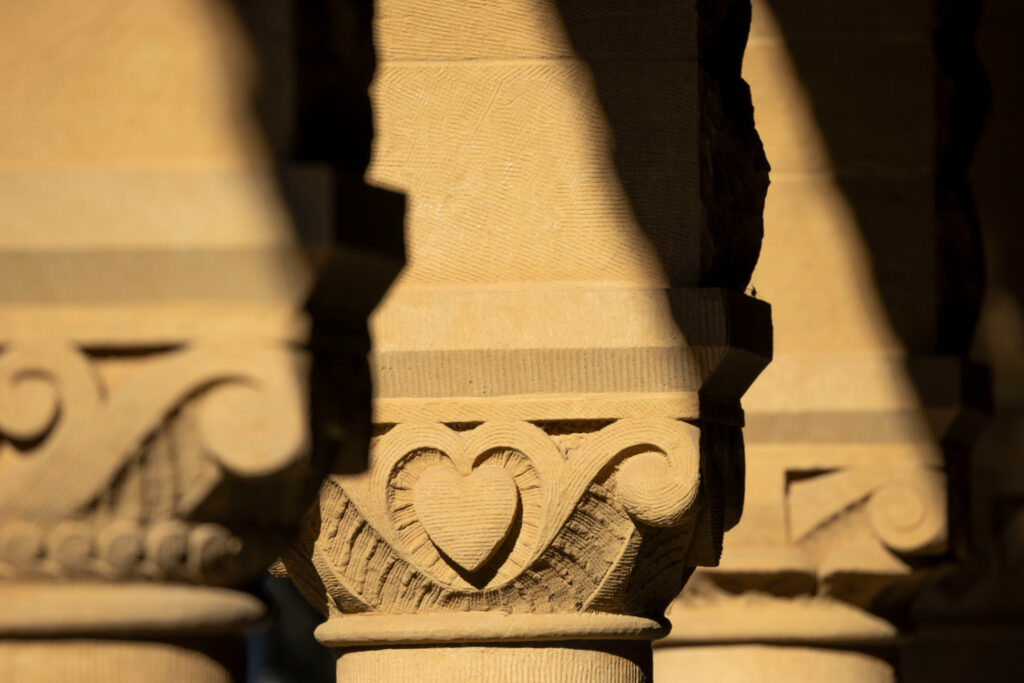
[557, 372]
[154, 428]
[859, 430]
[126, 502]
[818, 577]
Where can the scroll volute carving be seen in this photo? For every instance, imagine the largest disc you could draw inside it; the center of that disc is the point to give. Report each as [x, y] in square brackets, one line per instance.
[872, 531]
[158, 463]
[513, 530]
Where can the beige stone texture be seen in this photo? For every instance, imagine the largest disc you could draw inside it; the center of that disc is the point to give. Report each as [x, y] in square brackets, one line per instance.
[556, 372]
[848, 430]
[768, 664]
[542, 662]
[99, 661]
[153, 408]
[132, 174]
[502, 142]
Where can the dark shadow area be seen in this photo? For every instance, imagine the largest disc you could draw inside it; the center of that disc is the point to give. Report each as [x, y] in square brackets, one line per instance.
[667, 78]
[997, 176]
[900, 98]
[661, 93]
[287, 651]
[988, 588]
[315, 61]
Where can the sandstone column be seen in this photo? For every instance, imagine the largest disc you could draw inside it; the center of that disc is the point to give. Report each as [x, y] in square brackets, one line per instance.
[557, 372]
[154, 428]
[860, 428]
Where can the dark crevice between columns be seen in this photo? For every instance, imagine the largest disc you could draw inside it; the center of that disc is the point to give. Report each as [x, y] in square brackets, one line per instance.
[315, 61]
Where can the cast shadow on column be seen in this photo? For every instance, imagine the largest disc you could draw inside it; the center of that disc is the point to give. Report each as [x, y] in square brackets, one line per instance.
[875, 92]
[666, 75]
[900, 98]
[315, 60]
[661, 98]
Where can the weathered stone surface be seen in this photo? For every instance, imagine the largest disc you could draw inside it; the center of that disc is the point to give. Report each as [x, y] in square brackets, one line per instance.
[556, 428]
[155, 436]
[558, 369]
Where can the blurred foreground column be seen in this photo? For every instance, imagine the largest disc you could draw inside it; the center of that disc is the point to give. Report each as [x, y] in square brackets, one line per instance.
[558, 370]
[154, 438]
[857, 435]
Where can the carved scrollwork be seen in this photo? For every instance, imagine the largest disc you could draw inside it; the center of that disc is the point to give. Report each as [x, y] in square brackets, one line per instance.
[500, 518]
[909, 514]
[111, 479]
[862, 524]
[41, 384]
[905, 507]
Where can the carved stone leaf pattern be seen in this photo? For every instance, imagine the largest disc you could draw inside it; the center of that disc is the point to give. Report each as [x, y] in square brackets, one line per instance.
[127, 467]
[571, 544]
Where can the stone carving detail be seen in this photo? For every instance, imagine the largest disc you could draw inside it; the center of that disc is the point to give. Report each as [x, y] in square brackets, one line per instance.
[506, 518]
[905, 510]
[860, 522]
[854, 534]
[121, 465]
[466, 516]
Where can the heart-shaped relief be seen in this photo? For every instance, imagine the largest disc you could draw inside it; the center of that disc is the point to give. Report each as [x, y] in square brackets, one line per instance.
[466, 516]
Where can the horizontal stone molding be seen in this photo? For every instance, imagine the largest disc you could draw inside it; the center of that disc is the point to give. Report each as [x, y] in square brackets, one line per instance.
[484, 627]
[50, 609]
[544, 407]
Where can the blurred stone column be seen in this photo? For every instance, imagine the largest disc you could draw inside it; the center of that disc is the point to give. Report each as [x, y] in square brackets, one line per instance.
[557, 372]
[154, 419]
[857, 434]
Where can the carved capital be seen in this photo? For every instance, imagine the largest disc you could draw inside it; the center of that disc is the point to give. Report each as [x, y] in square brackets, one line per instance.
[507, 531]
[147, 465]
[845, 526]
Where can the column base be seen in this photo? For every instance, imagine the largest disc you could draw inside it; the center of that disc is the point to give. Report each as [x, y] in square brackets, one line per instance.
[767, 664]
[97, 632]
[607, 661]
[84, 660]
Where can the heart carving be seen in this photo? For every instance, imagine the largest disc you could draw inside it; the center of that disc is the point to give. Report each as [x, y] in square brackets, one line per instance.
[466, 516]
